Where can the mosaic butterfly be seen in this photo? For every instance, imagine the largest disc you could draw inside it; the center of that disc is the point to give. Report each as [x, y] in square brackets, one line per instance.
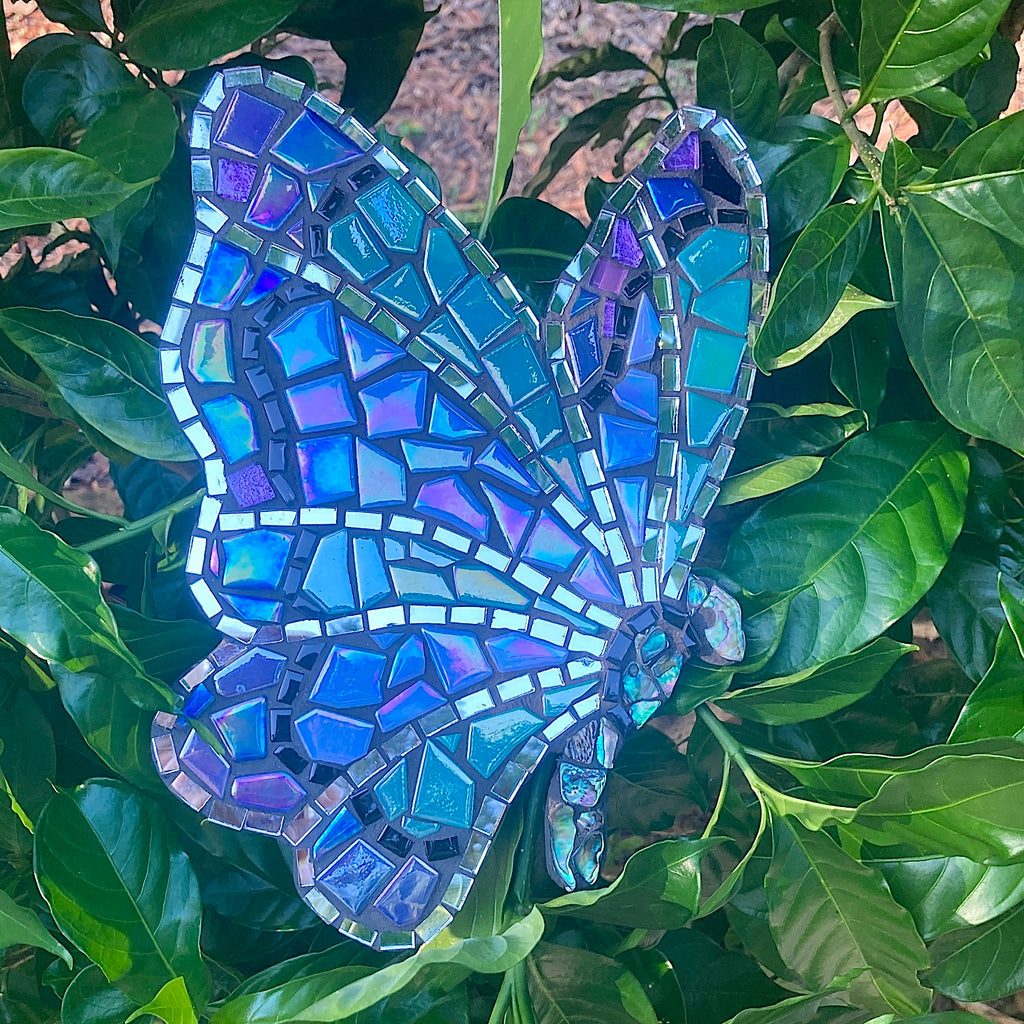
[443, 540]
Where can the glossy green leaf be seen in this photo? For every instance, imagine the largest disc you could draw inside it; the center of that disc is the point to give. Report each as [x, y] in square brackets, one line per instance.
[812, 280]
[769, 479]
[773, 432]
[171, 1004]
[943, 100]
[831, 915]
[167, 648]
[860, 362]
[815, 694]
[736, 76]
[858, 544]
[659, 888]
[107, 374]
[85, 15]
[910, 45]
[41, 185]
[817, 1008]
[19, 926]
[520, 52]
[135, 139]
[28, 757]
[710, 7]
[171, 34]
[575, 986]
[121, 889]
[995, 708]
[982, 963]
[91, 999]
[593, 60]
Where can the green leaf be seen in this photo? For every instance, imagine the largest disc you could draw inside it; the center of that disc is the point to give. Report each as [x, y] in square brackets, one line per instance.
[120, 888]
[860, 361]
[831, 915]
[41, 185]
[135, 139]
[817, 1008]
[962, 304]
[711, 7]
[769, 478]
[105, 373]
[20, 927]
[575, 986]
[590, 61]
[29, 759]
[520, 52]
[907, 46]
[186, 34]
[736, 76]
[815, 694]
[858, 544]
[812, 280]
[171, 1004]
[995, 707]
[84, 15]
[91, 999]
[337, 995]
[944, 101]
[774, 431]
[659, 888]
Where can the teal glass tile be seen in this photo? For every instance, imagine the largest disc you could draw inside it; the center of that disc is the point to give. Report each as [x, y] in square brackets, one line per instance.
[307, 340]
[404, 292]
[632, 494]
[693, 471]
[557, 700]
[714, 360]
[392, 792]
[497, 461]
[328, 580]
[243, 728]
[210, 359]
[367, 350]
[516, 369]
[704, 419]
[480, 312]
[381, 478]
[713, 256]
[371, 578]
[419, 829]
[225, 275]
[232, 424]
[424, 457]
[492, 740]
[550, 545]
[420, 586]
[625, 442]
[344, 825]
[349, 242]
[393, 214]
[443, 264]
[321, 403]
[445, 336]
[255, 609]
[449, 422]
[255, 560]
[542, 418]
[727, 305]
[444, 792]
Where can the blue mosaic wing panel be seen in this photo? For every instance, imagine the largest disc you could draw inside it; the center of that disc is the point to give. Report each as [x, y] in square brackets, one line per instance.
[647, 335]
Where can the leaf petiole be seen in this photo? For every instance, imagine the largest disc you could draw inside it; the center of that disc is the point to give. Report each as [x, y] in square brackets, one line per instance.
[143, 525]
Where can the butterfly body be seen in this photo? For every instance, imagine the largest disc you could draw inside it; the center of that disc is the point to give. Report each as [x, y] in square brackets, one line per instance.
[443, 539]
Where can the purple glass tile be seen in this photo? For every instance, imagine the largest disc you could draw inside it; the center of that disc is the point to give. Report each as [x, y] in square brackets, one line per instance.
[517, 653]
[608, 276]
[295, 233]
[685, 156]
[252, 671]
[417, 700]
[250, 486]
[247, 123]
[458, 658]
[272, 791]
[275, 199]
[608, 320]
[395, 405]
[234, 180]
[203, 762]
[450, 500]
[626, 247]
[356, 875]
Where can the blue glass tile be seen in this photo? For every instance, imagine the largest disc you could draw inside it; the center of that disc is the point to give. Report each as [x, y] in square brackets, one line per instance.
[551, 545]
[278, 194]
[350, 678]
[727, 305]
[593, 580]
[516, 652]
[408, 705]
[256, 560]
[443, 264]
[419, 829]
[322, 403]
[247, 123]
[512, 515]
[451, 501]
[637, 393]
[235, 179]
[308, 339]
[243, 728]
[713, 256]
[371, 579]
[226, 273]
[564, 466]
[350, 244]
[381, 478]
[449, 422]
[344, 825]
[420, 586]
[444, 792]
[254, 609]
[497, 461]
[356, 875]
[626, 442]
[332, 738]
[395, 405]
[542, 418]
[405, 900]
[632, 492]
[252, 671]
[392, 791]
[210, 359]
[424, 457]
[297, 233]
[714, 360]
[409, 662]
[394, 215]
[311, 145]
[458, 658]
[646, 330]
[480, 312]
[584, 350]
[493, 740]
[265, 283]
[198, 701]
[316, 190]
[403, 290]
[232, 424]
[445, 336]
[205, 764]
[327, 580]
[556, 701]
[367, 350]
[693, 471]
[484, 585]
[325, 465]
[674, 196]
[516, 368]
[704, 419]
[271, 791]
[584, 301]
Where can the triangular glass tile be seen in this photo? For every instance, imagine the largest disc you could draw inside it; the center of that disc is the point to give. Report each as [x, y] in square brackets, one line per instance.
[626, 442]
[404, 291]
[451, 423]
[311, 145]
[515, 652]
[561, 461]
[443, 264]
[550, 545]
[316, 190]
[492, 740]
[450, 740]
[637, 393]
[451, 501]
[704, 419]
[674, 196]
[444, 792]
[497, 461]
[424, 457]
[512, 515]
[381, 478]
[584, 300]
[409, 662]
[297, 233]
[632, 492]
[693, 471]
[458, 658]
[593, 580]
[446, 336]
[557, 700]
[367, 350]
[267, 280]
[646, 331]
[727, 305]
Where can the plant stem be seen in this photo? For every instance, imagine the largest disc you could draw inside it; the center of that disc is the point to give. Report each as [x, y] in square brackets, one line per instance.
[143, 525]
[723, 791]
[521, 986]
[503, 1000]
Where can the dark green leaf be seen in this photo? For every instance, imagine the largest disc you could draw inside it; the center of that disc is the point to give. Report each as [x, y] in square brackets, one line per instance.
[860, 361]
[589, 62]
[19, 926]
[120, 888]
[773, 432]
[84, 15]
[105, 373]
[135, 139]
[995, 708]
[91, 999]
[167, 649]
[28, 758]
[818, 1008]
